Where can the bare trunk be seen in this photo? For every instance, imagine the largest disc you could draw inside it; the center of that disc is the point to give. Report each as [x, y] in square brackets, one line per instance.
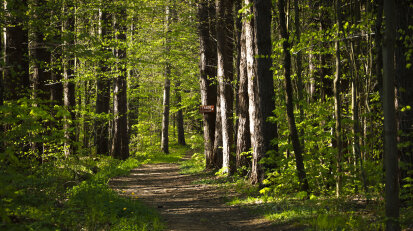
[298, 151]
[103, 90]
[120, 144]
[255, 111]
[16, 73]
[243, 133]
[206, 17]
[225, 77]
[167, 88]
[69, 99]
[337, 102]
[179, 114]
[390, 130]
[404, 85]
[217, 152]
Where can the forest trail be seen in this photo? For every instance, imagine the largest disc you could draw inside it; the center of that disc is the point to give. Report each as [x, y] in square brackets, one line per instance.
[184, 205]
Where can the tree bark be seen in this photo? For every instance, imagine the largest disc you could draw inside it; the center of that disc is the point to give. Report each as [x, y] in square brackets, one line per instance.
[179, 113]
[243, 133]
[404, 85]
[217, 152]
[103, 86]
[167, 87]
[298, 151]
[207, 66]
[225, 76]
[390, 130]
[120, 144]
[300, 86]
[337, 102]
[69, 99]
[16, 72]
[254, 100]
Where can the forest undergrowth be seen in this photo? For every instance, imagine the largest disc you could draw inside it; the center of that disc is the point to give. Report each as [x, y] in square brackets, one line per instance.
[73, 194]
[297, 210]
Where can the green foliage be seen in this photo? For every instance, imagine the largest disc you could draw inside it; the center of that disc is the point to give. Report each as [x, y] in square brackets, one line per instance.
[71, 194]
[194, 165]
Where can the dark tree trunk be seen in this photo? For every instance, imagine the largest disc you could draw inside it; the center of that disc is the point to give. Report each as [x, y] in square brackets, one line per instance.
[179, 114]
[39, 54]
[103, 89]
[69, 99]
[299, 66]
[243, 133]
[404, 83]
[120, 144]
[298, 151]
[225, 49]
[263, 49]
[390, 130]
[16, 72]
[207, 65]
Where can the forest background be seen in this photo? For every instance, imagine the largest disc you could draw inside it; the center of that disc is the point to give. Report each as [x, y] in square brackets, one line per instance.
[91, 89]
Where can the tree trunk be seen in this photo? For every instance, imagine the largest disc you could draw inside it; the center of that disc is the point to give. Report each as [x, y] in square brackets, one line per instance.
[254, 100]
[225, 76]
[337, 102]
[404, 85]
[120, 144]
[38, 58]
[103, 88]
[39, 55]
[390, 131]
[263, 51]
[300, 87]
[69, 99]
[217, 152]
[356, 119]
[298, 151]
[207, 66]
[167, 87]
[16, 72]
[179, 113]
[243, 133]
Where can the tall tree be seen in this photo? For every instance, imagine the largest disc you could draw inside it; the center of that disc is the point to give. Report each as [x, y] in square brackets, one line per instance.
[404, 83]
[263, 52]
[179, 113]
[68, 59]
[298, 150]
[103, 84]
[120, 143]
[225, 49]
[243, 132]
[337, 102]
[167, 84]
[390, 130]
[16, 71]
[260, 84]
[207, 63]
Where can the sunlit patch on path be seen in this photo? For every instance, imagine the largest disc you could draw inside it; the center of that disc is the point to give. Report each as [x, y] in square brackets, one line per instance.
[183, 205]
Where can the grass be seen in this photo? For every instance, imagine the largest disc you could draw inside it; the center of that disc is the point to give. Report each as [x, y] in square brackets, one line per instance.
[293, 212]
[73, 194]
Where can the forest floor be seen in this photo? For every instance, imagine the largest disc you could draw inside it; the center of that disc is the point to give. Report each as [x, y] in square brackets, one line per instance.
[187, 205]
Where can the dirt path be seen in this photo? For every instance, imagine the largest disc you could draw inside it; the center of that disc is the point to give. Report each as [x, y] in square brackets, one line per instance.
[184, 205]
